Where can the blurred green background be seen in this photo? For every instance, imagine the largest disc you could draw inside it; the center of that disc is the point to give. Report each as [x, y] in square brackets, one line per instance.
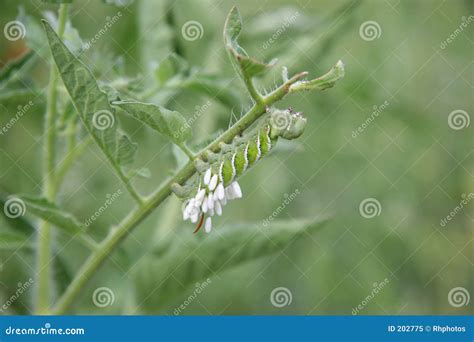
[408, 157]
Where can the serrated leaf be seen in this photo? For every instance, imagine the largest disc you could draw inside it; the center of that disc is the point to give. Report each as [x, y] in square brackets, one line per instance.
[211, 254]
[14, 241]
[328, 80]
[91, 103]
[50, 212]
[248, 66]
[169, 123]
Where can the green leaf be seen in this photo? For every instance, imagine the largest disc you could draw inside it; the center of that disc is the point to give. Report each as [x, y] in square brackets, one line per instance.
[13, 66]
[14, 241]
[171, 66]
[169, 123]
[93, 107]
[248, 66]
[126, 150]
[328, 80]
[212, 254]
[212, 87]
[50, 212]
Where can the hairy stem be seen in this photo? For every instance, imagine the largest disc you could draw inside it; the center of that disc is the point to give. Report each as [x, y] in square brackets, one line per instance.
[116, 235]
[43, 295]
[252, 90]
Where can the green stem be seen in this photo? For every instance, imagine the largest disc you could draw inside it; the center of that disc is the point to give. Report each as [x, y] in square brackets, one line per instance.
[252, 90]
[43, 295]
[186, 150]
[67, 162]
[116, 235]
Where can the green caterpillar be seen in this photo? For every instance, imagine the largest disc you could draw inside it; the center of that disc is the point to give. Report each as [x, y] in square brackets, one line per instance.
[216, 180]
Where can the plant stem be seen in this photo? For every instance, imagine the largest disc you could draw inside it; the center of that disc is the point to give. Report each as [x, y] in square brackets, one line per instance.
[117, 234]
[73, 152]
[186, 150]
[44, 233]
[252, 90]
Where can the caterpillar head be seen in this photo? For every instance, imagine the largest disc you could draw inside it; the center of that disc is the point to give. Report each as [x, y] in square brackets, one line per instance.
[287, 123]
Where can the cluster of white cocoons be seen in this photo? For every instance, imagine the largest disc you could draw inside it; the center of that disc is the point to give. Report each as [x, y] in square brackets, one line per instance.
[210, 199]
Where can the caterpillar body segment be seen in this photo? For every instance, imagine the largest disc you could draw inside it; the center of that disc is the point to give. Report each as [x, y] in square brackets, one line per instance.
[210, 190]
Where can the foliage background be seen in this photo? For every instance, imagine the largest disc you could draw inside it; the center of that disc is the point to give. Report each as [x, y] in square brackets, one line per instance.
[408, 158]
